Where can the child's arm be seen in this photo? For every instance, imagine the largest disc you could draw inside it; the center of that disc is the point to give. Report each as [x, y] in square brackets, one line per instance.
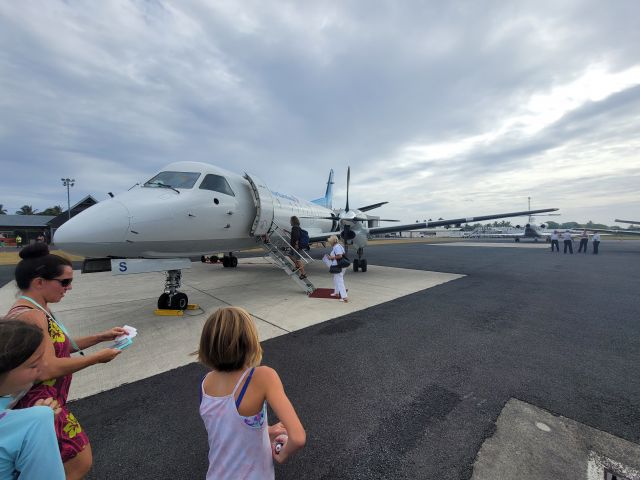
[282, 407]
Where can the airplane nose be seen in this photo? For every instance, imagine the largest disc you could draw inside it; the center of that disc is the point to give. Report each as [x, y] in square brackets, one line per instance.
[104, 223]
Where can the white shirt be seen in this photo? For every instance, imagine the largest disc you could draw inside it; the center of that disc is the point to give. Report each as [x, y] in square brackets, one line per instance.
[554, 236]
[596, 237]
[566, 236]
[336, 250]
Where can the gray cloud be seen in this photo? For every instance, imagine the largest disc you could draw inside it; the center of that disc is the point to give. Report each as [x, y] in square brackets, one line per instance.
[110, 92]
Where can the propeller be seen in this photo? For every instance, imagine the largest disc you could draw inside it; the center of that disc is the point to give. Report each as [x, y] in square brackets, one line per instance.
[346, 209]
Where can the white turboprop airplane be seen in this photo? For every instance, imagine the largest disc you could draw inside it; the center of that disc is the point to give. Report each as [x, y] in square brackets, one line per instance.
[192, 209]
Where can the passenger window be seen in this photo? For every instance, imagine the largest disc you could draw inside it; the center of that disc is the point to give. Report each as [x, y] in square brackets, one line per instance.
[174, 180]
[216, 183]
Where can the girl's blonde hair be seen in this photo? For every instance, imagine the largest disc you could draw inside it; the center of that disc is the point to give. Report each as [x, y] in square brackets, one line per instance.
[229, 341]
[332, 240]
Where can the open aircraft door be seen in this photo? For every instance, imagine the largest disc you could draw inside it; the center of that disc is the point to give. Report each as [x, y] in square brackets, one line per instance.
[264, 206]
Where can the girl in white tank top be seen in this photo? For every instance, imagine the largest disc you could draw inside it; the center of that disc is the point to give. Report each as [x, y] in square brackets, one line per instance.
[234, 400]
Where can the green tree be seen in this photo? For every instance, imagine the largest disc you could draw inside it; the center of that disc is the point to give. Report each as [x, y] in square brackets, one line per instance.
[3, 211]
[26, 210]
[55, 211]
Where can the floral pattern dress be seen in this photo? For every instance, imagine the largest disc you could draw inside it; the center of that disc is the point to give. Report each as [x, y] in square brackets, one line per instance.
[71, 437]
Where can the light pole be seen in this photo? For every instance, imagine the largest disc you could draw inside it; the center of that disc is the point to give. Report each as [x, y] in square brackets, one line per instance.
[68, 182]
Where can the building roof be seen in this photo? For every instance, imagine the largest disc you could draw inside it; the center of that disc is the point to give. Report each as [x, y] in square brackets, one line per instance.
[83, 204]
[25, 221]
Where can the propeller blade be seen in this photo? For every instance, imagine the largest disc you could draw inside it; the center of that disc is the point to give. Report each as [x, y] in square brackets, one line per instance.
[371, 207]
[348, 181]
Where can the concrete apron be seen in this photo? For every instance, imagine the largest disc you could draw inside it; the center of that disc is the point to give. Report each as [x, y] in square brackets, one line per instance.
[100, 301]
[532, 444]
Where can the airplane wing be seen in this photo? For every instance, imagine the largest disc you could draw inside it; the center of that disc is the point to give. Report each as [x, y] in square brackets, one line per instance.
[437, 223]
[455, 221]
[633, 222]
[611, 231]
[501, 235]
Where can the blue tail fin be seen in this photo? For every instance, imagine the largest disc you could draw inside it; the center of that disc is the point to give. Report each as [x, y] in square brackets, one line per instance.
[327, 200]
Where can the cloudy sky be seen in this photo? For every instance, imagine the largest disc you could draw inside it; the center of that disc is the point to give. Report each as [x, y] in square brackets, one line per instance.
[445, 109]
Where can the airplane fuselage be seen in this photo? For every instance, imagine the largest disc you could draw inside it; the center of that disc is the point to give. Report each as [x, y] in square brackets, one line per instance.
[212, 211]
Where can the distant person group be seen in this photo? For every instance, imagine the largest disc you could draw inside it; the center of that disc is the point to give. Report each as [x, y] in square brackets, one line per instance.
[568, 241]
[41, 439]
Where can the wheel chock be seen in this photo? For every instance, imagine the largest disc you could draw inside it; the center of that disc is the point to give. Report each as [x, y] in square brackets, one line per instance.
[168, 313]
[193, 306]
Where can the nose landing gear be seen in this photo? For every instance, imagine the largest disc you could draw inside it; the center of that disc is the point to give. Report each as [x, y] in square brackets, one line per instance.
[172, 299]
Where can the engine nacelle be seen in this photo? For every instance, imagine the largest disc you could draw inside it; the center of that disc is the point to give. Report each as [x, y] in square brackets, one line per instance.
[348, 234]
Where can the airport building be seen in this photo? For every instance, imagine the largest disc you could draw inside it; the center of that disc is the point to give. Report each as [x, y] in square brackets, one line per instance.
[29, 227]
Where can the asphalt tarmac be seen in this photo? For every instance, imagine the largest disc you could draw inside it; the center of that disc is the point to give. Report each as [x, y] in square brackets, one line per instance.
[412, 388]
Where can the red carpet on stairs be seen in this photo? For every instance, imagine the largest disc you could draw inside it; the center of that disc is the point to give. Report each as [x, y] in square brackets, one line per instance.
[323, 293]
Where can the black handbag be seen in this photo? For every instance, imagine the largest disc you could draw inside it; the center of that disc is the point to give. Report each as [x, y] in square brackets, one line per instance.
[344, 262]
[335, 269]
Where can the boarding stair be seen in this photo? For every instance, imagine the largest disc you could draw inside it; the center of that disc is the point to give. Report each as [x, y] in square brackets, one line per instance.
[273, 238]
[279, 251]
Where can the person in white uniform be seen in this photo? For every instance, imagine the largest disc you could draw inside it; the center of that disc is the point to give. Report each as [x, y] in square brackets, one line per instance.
[596, 242]
[568, 241]
[554, 241]
[337, 251]
[584, 242]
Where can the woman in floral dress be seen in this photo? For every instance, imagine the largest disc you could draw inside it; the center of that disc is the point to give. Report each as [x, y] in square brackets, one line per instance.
[43, 279]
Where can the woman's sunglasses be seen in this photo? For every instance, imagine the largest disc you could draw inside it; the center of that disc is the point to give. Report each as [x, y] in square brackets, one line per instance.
[65, 282]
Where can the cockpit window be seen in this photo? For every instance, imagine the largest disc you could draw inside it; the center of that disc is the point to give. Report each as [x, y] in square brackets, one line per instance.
[217, 184]
[174, 180]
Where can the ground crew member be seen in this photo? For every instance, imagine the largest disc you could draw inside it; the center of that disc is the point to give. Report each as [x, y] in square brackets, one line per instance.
[596, 242]
[568, 242]
[18, 241]
[554, 241]
[584, 240]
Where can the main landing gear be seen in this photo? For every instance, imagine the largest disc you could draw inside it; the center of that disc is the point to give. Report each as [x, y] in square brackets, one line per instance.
[228, 261]
[360, 263]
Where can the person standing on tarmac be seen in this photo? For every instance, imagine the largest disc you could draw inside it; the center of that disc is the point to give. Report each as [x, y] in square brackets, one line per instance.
[584, 240]
[554, 241]
[596, 242]
[568, 241]
[18, 241]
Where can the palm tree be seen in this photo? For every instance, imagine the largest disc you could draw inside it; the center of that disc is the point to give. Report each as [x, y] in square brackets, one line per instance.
[3, 211]
[55, 211]
[26, 210]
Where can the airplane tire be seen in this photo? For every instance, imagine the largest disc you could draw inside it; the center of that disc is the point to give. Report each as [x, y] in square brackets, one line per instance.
[203, 259]
[179, 301]
[225, 261]
[163, 302]
[234, 262]
[356, 264]
[363, 265]
[517, 239]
